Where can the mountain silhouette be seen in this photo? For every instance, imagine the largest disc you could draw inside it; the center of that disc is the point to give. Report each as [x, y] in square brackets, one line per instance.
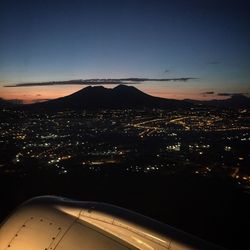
[121, 97]
[99, 97]
[9, 103]
[235, 101]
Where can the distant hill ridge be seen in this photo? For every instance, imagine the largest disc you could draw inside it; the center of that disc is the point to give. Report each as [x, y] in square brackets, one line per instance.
[122, 96]
[235, 101]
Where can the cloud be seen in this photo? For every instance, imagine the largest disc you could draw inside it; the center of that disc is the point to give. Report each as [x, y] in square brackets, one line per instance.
[38, 95]
[102, 81]
[224, 94]
[166, 71]
[208, 93]
[40, 100]
[231, 94]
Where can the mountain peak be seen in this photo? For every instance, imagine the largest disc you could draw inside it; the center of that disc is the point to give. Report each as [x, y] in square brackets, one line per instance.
[121, 86]
[122, 96]
[128, 89]
[94, 87]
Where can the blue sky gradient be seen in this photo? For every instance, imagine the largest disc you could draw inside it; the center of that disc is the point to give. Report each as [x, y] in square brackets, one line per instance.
[62, 40]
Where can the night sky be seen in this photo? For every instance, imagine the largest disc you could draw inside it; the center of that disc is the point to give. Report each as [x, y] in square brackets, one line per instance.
[61, 40]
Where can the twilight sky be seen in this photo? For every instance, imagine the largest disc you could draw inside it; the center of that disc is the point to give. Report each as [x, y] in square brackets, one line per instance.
[59, 40]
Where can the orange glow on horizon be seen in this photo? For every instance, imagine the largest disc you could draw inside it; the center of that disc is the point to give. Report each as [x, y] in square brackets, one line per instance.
[42, 93]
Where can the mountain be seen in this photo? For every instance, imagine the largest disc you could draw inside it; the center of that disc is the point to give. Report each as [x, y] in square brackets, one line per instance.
[235, 101]
[9, 103]
[122, 96]
[3, 103]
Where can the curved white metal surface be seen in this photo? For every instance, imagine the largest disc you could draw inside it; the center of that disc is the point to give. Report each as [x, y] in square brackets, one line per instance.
[49, 223]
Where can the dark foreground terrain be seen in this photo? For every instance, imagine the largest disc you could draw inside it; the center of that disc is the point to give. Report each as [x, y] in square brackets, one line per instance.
[209, 208]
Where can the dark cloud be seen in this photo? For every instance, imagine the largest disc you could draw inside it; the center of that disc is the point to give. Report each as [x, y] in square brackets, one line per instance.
[224, 94]
[231, 94]
[208, 93]
[40, 100]
[102, 81]
[166, 71]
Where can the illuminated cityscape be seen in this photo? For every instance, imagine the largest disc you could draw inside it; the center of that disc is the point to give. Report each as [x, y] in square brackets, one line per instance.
[202, 141]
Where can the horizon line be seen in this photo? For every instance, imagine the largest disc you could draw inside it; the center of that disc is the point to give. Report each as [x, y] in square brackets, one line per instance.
[211, 93]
